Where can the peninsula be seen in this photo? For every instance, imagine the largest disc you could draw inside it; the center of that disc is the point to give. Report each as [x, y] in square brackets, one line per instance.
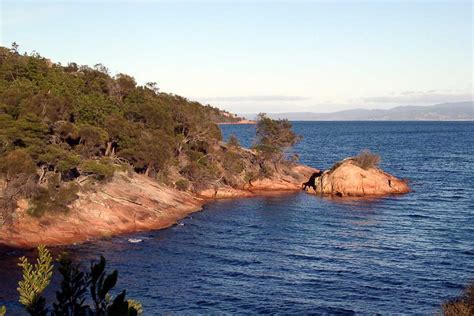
[84, 154]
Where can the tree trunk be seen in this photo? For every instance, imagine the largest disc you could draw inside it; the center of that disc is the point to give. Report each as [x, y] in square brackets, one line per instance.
[44, 169]
[108, 150]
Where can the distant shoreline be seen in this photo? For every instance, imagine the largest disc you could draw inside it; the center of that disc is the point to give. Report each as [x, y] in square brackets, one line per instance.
[242, 122]
[451, 111]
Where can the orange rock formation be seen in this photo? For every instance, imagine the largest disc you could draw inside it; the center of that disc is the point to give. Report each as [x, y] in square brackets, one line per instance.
[128, 204]
[348, 179]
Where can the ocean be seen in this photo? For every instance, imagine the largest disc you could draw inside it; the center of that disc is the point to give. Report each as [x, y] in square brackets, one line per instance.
[299, 253]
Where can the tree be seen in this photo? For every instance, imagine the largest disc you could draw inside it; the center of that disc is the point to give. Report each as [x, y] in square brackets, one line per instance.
[17, 162]
[152, 86]
[233, 141]
[126, 84]
[66, 120]
[14, 48]
[274, 139]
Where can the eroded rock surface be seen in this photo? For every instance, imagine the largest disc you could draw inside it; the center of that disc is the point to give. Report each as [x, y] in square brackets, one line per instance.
[346, 178]
[128, 204]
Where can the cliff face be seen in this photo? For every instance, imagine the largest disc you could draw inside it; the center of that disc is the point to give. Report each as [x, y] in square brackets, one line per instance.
[128, 204]
[348, 179]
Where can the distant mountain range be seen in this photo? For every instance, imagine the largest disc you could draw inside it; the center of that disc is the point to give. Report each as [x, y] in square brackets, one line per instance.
[455, 111]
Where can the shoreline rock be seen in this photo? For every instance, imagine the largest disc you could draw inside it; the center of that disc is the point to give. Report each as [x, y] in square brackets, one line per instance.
[347, 178]
[137, 203]
[129, 204]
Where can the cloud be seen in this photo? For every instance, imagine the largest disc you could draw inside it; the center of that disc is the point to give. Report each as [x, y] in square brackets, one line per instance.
[256, 98]
[421, 97]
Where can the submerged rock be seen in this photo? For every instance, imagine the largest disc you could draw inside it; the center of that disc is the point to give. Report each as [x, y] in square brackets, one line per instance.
[347, 178]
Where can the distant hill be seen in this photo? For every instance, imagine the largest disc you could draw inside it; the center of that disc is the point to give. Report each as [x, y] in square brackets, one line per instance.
[454, 111]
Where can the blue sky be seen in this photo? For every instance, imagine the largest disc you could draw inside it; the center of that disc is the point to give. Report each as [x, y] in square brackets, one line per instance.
[245, 56]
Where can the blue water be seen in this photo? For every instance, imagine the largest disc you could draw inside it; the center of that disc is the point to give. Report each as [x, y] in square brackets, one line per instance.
[298, 253]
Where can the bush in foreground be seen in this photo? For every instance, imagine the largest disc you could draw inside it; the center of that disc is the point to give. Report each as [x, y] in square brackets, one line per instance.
[73, 293]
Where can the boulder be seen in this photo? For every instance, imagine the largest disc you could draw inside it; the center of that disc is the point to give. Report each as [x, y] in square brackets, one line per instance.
[347, 178]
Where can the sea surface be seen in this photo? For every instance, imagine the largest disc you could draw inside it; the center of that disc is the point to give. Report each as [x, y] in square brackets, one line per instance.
[298, 253]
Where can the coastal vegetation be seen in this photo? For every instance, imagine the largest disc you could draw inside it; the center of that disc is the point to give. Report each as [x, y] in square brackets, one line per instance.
[366, 159]
[79, 293]
[274, 138]
[68, 128]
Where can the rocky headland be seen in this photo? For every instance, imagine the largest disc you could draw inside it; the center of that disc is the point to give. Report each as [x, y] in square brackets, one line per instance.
[130, 203]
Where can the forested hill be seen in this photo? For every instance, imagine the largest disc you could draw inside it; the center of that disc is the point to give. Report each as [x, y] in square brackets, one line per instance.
[58, 123]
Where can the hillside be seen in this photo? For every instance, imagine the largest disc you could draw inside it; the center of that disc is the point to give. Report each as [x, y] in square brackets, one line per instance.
[74, 140]
[454, 111]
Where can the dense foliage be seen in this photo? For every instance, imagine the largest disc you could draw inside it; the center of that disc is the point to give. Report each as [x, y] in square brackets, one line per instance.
[60, 123]
[65, 127]
[274, 139]
[72, 296]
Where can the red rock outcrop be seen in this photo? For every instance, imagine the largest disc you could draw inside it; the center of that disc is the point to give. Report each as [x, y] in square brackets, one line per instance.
[276, 184]
[128, 204]
[346, 178]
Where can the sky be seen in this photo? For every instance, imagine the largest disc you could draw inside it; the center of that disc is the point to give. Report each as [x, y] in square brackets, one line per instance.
[263, 56]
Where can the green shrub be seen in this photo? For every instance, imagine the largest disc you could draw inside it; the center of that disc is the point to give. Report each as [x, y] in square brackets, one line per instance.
[266, 171]
[233, 141]
[53, 199]
[182, 184]
[199, 172]
[17, 162]
[75, 285]
[274, 138]
[68, 162]
[233, 163]
[66, 195]
[102, 169]
[54, 155]
[135, 305]
[35, 280]
[366, 159]
[250, 176]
